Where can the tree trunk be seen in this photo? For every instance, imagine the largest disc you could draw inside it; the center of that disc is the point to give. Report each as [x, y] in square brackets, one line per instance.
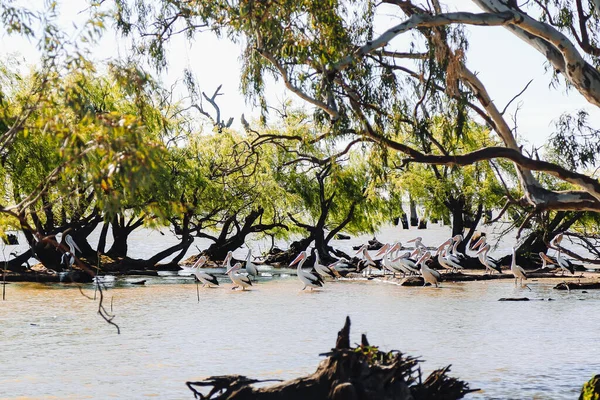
[280, 257]
[218, 250]
[119, 246]
[16, 264]
[102, 239]
[414, 219]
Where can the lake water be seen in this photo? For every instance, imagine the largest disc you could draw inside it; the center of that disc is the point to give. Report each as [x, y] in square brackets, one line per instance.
[54, 345]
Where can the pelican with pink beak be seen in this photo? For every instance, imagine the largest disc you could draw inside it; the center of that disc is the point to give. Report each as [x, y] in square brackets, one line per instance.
[237, 278]
[307, 278]
[204, 277]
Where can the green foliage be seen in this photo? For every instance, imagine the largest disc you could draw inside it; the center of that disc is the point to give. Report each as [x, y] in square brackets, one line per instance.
[87, 138]
[591, 389]
[439, 188]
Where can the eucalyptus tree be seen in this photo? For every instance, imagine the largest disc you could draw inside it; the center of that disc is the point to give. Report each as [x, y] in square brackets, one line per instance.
[363, 82]
[74, 161]
[452, 193]
[332, 185]
[239, 196]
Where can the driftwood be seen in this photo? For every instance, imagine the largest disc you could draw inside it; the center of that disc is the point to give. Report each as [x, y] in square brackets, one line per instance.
[577, 286]
[353, 373]
[372, 244]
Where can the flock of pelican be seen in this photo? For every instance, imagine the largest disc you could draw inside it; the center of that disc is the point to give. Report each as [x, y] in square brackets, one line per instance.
[408, 263]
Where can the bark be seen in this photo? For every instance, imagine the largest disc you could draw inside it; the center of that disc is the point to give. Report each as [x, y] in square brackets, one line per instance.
[281, 257]
[414, 219]
[102, 238]
[16, 264]
[224, 244]
[555, 46]
[361, 372]
[121, 229]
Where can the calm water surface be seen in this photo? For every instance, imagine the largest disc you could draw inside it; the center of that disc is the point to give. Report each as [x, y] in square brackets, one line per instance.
[54, 345]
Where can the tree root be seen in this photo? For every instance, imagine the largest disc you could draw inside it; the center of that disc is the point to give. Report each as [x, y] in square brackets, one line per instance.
[362, 372]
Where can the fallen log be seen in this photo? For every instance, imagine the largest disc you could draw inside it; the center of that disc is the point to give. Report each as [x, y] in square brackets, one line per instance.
[354, 373]
[577, 286]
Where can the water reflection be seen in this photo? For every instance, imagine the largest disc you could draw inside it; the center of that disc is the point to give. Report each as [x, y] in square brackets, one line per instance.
[56, 344]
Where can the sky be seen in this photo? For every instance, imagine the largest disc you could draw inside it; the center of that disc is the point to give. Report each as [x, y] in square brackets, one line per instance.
[502, 61]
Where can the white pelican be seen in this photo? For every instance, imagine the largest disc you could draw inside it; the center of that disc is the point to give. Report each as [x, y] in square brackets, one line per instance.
[490, 264]
[545, 260]
[417, 241]
[479, 243]
[342, 263]
[385, 250]
[457, 239]
[564, 264]
[516, 270]
[368, 261]
[408, 264]
[324, 270]
[387, 262]
[204, 277]
[555, 242]
[307, 278]
[238, 279]
[429, 275]
[250, 267]
[442, 259]
[68, 257]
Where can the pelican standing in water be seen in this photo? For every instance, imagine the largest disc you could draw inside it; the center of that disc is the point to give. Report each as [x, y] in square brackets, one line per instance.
[204, 277]
[517, 271]
[307, 278]
[429, 275]
[250, 267]
[324, 270]
[237, 278]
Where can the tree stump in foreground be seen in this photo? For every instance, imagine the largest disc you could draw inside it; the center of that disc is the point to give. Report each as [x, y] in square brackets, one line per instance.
[361, 373]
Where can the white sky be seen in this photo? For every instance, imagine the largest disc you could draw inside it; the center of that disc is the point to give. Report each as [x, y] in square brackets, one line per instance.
[503, 62]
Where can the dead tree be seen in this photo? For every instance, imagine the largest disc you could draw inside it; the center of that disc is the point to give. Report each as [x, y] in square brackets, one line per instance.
[353, 373]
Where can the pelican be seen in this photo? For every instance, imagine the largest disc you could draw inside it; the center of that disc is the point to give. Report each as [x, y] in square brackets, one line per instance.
[564, 264]
[555, 242]
[545, 260]
[385, 250]
[342, 263]
[479, 243]
[490, 264]
[409, 263]
[417, 241]
[516, 270]
[307, 278]
[429, 275]
[368, 261]
[454, 255]
[323, 270]
[68, 257]
[204, 277]
[387, 261]
[442, 259]
[237, 278]
[250, 267]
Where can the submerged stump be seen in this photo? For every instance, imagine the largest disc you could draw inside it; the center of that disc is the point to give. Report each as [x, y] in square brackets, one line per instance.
[362, 373]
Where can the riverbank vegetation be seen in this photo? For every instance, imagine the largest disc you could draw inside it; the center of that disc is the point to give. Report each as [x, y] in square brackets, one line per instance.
[373, 127]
